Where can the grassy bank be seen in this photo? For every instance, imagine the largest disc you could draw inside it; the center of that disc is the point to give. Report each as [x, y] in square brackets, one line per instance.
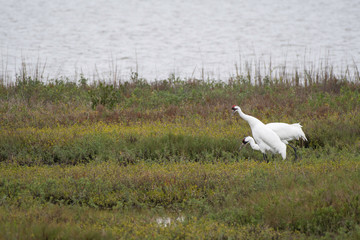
[222, 200]
[64, 122]
[161, 159]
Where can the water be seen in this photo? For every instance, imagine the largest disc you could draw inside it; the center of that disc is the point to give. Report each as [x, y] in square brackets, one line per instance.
[190, 38]
[167, 221]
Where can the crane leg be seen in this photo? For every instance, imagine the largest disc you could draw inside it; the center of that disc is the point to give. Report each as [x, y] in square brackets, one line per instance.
[294, 151]
[265, 158]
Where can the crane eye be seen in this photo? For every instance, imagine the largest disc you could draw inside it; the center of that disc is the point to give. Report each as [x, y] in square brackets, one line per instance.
[244, 142]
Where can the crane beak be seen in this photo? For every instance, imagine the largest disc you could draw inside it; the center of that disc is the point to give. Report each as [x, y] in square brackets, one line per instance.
[242, 146]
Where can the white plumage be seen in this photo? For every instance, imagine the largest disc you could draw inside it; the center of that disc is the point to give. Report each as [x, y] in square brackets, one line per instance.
[288, 132]
[254, 146]
[252, 143]
[266, 139]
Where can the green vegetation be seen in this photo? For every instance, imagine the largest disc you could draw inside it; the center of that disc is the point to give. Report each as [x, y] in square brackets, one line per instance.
[161, 160]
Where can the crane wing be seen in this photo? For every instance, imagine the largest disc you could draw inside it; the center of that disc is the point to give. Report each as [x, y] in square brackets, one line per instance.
[264, 136]
[288, 132]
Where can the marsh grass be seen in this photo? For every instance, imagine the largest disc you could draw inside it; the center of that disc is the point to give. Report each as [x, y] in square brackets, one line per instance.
[104, 160]
[61, 122]
[303, 199]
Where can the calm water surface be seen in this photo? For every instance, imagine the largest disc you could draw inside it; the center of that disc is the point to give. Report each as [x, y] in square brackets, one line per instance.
[185, 37]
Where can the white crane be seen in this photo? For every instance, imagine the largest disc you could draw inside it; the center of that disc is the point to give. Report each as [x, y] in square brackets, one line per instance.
[288, 132]
[254, 146]
[252, 142]
[266, 139]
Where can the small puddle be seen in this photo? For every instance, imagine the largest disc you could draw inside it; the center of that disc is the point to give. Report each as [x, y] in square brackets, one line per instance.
[167, 221]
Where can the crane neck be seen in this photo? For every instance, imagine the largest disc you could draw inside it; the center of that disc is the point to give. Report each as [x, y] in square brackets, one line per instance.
[253, 144]
[252, 121]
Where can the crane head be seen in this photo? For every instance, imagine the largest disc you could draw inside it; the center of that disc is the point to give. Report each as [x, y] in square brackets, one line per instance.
[235, 109]
[244, 142]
